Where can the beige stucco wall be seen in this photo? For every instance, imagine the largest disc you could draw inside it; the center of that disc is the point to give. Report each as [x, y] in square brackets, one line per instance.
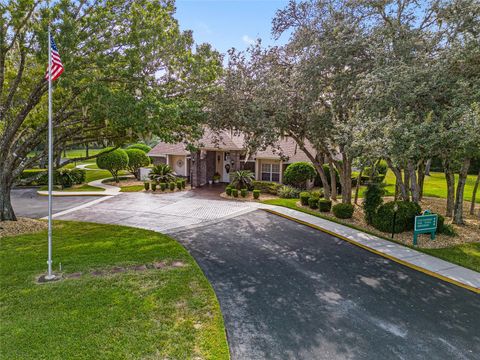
[173, 161]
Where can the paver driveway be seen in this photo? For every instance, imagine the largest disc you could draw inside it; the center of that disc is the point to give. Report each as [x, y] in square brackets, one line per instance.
[291, 292]
[160, 212]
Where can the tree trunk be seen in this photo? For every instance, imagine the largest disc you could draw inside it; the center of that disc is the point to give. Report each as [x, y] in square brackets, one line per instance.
[413, 182]
[406, 181]
[357, 187]
[86, 149]
[421, 178]
[427, 167]
[344, 168]
[474, 195]
[333, 179]
[450, 179]
[326, 188]
[462, 179]
[6, 209]
[399, 181]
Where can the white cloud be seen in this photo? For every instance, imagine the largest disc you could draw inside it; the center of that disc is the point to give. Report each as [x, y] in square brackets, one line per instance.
[248, 40]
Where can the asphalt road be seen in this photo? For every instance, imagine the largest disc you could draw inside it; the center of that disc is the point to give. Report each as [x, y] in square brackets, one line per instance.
[291, 292]
[27, 203]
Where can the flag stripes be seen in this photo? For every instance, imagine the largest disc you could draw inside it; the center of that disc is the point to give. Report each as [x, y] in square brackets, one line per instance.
[57, 66]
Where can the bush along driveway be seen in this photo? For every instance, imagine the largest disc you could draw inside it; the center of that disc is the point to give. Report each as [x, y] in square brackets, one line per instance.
[128, 293]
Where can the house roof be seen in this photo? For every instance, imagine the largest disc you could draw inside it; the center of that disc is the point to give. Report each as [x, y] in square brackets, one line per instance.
[228, 141]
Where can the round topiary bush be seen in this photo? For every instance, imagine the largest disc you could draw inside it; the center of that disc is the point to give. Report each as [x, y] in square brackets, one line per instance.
[146, 185]
[297, 174]
[244, 192]
[228, 190]
[235, 192]
[163, 186]
[373, 198]
[343, 211]
[324, 205]
[256, 194]
[171, 186]
[179, 184]
[113, 161]
[304, 196]
[313, 203]
[154, 186]
[404, 220]
[143, 147]
[136, 159]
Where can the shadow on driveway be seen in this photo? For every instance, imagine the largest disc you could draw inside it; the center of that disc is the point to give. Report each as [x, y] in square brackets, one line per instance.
[291, 292]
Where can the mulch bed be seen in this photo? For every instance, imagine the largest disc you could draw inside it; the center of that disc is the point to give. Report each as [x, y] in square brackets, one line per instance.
[468, 233]
[249, 197]
[21, 226]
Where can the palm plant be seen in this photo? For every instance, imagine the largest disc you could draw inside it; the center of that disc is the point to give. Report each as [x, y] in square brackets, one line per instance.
[242, 179]
[162, 173]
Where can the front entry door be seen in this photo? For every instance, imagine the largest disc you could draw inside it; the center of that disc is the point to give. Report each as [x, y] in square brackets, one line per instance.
[227, 167]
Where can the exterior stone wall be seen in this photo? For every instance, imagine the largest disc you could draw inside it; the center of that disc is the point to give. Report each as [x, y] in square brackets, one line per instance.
[210, 165]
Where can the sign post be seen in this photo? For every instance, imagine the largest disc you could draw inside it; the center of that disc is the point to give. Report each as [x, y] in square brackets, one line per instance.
[424, 224]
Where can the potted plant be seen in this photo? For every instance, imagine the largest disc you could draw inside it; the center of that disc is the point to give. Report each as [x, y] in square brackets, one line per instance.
[216, 178]
[210, 182]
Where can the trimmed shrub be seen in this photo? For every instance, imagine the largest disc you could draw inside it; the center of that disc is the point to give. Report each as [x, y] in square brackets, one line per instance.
[136, 159]
[78, 175]
[445, 229]
[317, 193]
[64, 178]
[163, 186]
[372, 200]
[297, 174]
[267, 187]
[288, 192]
[146, 185]
[113, 161]
[154, 186]
[143, 147]
[235, 193]
[304, 196]
[228, 190]
[256, 194]
[343, 211]
[179, 184]
[184, 183]
[244, 192]
[313, 202]
[324, 205]
[171, 186]
[407, 210]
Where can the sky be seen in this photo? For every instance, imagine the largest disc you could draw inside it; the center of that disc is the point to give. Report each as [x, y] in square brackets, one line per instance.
[229, 23]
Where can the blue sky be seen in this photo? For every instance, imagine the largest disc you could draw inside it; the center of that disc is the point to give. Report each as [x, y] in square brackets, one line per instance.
[229, 23]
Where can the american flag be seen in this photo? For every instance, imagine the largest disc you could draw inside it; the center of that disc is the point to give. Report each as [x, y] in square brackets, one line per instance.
[57, 66]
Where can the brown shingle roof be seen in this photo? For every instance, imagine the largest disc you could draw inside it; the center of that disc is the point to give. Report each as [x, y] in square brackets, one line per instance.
[226, 140]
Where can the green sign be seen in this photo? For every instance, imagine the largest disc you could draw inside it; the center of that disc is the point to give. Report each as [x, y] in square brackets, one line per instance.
[424, 224]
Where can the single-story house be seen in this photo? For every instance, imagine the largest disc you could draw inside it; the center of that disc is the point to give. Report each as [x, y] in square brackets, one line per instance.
[223, 153]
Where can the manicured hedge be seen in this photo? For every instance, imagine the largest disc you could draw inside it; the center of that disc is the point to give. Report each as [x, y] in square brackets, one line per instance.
[313, 203]
[324, 205]
[143, 147]
[407, 210]
[297, 174]
[304, 196]
[343, 211]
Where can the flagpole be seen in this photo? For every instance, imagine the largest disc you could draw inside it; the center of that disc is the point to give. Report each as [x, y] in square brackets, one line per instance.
[50, 276]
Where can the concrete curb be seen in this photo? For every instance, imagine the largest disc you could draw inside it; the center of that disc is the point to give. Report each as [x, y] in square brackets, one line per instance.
[109, 190]
[403, 255]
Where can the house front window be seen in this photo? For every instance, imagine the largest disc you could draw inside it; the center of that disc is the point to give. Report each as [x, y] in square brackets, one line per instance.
[271, 172]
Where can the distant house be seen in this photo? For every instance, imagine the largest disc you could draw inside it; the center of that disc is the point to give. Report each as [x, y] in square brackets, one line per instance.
[223, 153]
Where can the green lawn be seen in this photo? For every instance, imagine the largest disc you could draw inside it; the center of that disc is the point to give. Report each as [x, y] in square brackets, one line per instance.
[132, 188]
[169, 313]
[435, 186]
[71, 154]
[467, 255]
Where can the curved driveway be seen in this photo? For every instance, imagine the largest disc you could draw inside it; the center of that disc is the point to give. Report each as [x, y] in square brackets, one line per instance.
[291, 292]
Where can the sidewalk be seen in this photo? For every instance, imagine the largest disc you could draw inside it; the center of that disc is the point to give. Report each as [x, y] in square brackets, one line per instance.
[430, 265]
[109, 190]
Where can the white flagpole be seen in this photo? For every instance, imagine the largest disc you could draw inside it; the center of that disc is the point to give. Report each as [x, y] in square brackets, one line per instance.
[50, 276]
